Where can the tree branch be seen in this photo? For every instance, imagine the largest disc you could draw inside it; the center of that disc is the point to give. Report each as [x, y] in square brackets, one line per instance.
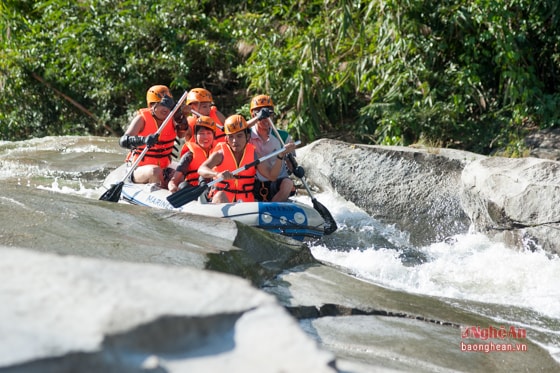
[73, 102]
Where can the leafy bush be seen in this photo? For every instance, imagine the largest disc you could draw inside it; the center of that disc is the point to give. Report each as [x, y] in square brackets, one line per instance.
[472, 75]
[84, 67]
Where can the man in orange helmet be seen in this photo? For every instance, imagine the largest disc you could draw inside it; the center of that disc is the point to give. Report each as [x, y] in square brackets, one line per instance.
[200, 101]
[236, 152]
[141, 132]
[265, 142]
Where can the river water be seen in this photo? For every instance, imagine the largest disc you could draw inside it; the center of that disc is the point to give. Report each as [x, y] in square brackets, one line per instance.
[470, 271]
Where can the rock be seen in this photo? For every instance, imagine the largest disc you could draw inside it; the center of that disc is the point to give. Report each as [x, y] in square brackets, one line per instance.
[370, 328]
[545, 144]
[76, 314]
[514, 199]
[150, 300]
[415, 189]
[435, 193]
[161, 312]
[124, 232]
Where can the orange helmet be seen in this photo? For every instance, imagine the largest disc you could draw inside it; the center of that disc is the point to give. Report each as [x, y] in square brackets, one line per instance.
[157, 94]
[261, 101]
[199, 95]
[235, 123]
[204, 121]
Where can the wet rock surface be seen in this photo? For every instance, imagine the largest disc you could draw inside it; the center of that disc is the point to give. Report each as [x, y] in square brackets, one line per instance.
[386, 330]
[436, 193]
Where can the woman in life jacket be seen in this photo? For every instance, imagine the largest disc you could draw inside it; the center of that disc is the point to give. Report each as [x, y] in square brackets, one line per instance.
[194, 154]
[232, 154]
[141, 132]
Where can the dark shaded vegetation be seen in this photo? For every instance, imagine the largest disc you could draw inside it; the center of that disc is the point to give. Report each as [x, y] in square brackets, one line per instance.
[474, 75]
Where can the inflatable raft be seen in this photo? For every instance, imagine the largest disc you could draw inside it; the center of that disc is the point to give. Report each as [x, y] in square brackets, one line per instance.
[293, 219]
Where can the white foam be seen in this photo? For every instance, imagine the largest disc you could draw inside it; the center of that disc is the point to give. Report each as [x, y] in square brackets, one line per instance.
[467, 267]
[81, 191]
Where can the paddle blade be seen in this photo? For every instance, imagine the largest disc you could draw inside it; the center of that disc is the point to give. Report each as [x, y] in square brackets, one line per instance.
[186, 195]
[113, 194]
[330, 224]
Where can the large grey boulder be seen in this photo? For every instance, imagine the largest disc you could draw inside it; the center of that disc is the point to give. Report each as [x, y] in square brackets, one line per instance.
[517, 200]
[76, 314]
[435, 193]
[415, 189]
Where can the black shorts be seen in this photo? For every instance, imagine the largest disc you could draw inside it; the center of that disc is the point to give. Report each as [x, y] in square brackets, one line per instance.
[265, 190]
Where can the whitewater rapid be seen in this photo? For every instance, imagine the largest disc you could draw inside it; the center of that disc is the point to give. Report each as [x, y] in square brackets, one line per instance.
[465, 267]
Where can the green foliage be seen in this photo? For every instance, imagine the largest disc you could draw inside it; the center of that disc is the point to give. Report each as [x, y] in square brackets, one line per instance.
[84, 67]
[299, 60]
[473, 75]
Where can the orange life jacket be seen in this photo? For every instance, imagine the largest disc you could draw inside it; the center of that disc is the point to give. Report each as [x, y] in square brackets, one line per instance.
[160, 153]
[199, 156]
[241, 187]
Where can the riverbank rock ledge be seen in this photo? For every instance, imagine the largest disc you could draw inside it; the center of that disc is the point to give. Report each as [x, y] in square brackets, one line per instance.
[433, 193]
[111, 287]
[76, 314]
[516, 199]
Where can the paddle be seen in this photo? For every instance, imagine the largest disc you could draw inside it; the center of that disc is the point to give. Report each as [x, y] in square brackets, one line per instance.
[113, 194]
[187, 195]
[330, 223]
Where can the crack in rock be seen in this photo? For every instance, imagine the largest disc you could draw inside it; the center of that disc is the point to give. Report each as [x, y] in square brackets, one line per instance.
[329, 309]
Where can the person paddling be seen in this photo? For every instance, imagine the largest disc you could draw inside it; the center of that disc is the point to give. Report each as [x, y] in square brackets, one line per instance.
[194, 154]
[233, 154]
[262, 138]
[141, 132]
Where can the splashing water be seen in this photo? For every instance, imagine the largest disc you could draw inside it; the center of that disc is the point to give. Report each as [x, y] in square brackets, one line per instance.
[466, 267]
[81, 190]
